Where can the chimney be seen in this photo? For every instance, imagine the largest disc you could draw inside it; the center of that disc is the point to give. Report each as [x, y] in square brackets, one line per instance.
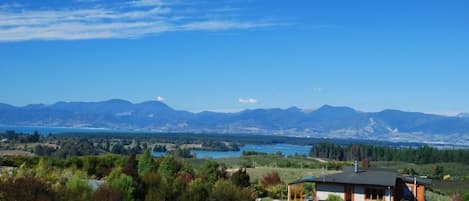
[355, 165]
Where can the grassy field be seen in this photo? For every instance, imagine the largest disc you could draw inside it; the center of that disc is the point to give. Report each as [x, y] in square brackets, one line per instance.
[286, 174]
[449, 187]
[270, 161]
[292, 168]
[453, 169]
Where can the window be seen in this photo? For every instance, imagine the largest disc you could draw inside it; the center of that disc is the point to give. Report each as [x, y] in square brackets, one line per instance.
[374, 193]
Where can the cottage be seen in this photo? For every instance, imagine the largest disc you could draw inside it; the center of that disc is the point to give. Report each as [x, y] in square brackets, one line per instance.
[355, 184]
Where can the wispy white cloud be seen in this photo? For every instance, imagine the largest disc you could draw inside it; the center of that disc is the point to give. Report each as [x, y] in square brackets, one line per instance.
[160, 98]
[148, 3]
[247, 100]
[317, 89]
[131, 19]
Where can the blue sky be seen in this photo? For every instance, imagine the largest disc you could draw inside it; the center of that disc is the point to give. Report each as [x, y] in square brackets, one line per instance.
[230, 55]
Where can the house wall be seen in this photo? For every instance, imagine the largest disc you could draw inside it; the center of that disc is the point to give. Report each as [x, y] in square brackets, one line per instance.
[388, 193]
[359, 193]
[323, 190]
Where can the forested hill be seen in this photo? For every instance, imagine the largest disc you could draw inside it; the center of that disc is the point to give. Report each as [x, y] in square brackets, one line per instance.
[326, 121]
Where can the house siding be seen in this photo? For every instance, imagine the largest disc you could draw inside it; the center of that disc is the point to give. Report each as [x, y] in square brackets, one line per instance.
[324, 190]
[359, 192]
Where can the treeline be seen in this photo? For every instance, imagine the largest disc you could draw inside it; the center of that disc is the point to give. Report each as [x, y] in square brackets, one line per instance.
[199, 138]
[420, 155]
[20, 137]
[129, 178]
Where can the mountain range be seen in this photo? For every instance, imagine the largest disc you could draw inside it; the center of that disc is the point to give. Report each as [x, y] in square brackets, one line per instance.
[326, 121]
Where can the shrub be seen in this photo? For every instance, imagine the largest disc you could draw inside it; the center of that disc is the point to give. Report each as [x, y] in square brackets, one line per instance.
[241, 178]
[332, 197]
[78, 189]
[227, 191]
[276, 191]
[197, 191]
[122, 183]
[271, 179]
[25, 189]
[104, 193]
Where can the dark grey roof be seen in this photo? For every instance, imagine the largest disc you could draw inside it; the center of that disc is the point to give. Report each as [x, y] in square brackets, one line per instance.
[376, 176]
[379, 178]
[419, 180]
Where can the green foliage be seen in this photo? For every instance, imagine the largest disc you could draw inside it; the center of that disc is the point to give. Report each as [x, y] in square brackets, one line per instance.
[155, 187]
[105, 193]
[159, 148]
[25, 189]
[122, 183]
[250, 153]
[438, 172]
[241, 178]
[145, 163]
[77, 189]
[197, 190]
[169, 166]
[181, 152]
[465, 196]
[421, 155]
[332, 197]
[271, 179]
[276, 191]
[212, 171]
[227, 191]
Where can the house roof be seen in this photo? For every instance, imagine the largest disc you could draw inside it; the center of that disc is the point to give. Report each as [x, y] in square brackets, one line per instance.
[410, 179]
[378, 177]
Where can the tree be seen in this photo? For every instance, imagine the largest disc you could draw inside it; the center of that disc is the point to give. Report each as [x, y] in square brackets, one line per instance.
[465, 196]
[77, 190]
[276, 191]
[155, 187]
[145, 163]
[271, 179]
[227, 191]
[197, 191]
[25, 189]
[121, 182]
[104, 193]
[169, 167]
[438, 171]
[212, 171]
[241, 178]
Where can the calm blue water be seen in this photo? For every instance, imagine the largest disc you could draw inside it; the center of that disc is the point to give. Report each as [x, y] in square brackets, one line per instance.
[286, 149]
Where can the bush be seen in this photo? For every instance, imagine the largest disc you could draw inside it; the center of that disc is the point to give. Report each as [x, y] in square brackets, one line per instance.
[276, 191]
[25, 189]
[271, 179]
[197, 191]
[122, 183]
[332, 197]
[241, 178]
[78, 189]
[104, 193]
[227, 191]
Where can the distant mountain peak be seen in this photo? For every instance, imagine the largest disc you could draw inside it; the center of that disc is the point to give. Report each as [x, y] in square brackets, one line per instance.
[330, 108]
[116, 101]
[326, 121]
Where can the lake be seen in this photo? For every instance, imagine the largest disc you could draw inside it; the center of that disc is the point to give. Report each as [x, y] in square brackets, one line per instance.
[286, 149]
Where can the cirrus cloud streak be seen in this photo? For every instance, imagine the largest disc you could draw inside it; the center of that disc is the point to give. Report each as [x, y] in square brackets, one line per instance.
[130, 19]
